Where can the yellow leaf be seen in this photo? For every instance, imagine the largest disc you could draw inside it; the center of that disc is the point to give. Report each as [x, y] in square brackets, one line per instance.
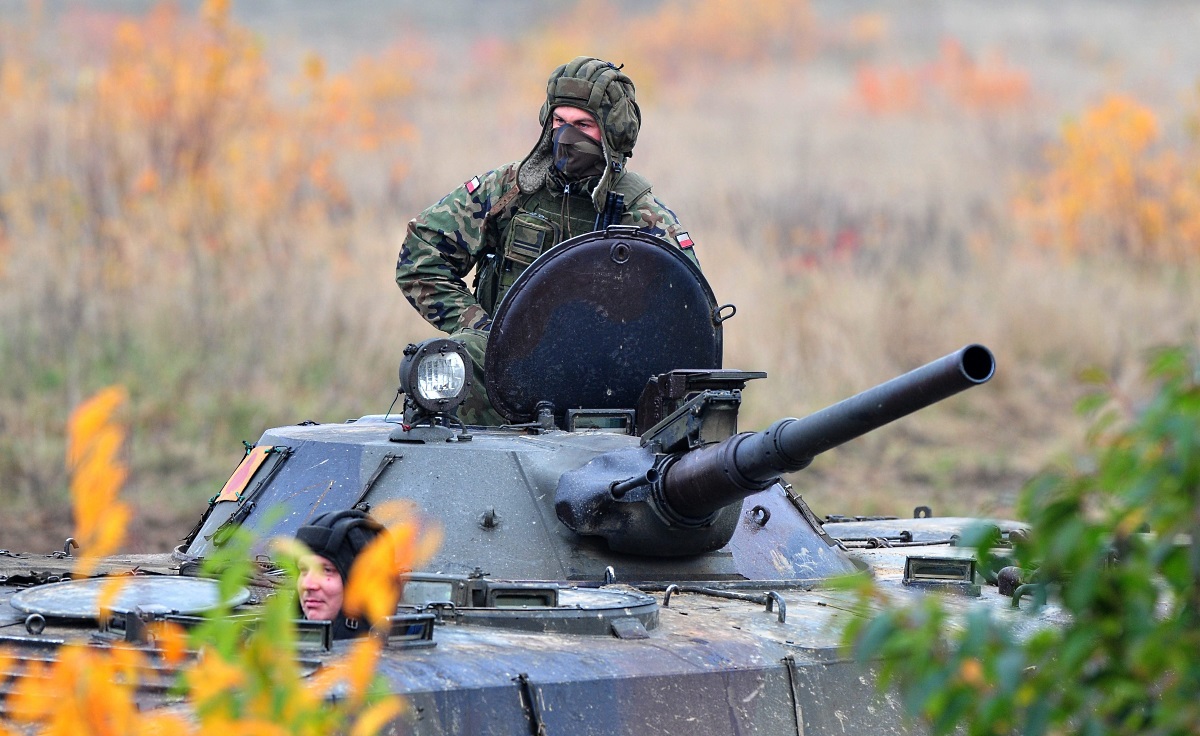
[89, 418]
[971, 672]
[314, 68]
[211, 677]
[358, 668]
[374, 718]
[374, 586]
[164, 724]
[171, 639]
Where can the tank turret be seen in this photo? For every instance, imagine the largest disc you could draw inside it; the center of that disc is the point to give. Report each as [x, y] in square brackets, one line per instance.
[622, 453]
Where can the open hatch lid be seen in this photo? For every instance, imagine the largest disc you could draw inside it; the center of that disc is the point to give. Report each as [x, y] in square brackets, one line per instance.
[592, 319]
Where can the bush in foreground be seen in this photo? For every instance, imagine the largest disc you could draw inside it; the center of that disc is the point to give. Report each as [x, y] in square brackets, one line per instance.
[1113, 543]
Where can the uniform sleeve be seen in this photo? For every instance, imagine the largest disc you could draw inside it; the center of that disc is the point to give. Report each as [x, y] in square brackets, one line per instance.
[441, 247]
[652, 216]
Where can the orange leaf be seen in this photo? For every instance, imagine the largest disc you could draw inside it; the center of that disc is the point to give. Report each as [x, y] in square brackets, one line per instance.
[378, 715]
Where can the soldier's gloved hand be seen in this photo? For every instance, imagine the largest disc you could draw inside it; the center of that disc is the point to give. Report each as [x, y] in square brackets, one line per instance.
[477, 409]
[475, 342]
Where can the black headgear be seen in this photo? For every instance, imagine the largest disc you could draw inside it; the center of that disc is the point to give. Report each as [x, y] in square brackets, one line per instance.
[339, 536]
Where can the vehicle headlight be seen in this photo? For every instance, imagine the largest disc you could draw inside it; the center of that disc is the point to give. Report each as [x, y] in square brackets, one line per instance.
[434, 374]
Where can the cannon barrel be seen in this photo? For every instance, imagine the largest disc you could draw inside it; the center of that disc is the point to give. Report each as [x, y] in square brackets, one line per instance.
[700, 482]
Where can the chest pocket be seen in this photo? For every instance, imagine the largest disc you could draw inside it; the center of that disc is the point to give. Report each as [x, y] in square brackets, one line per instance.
[527, 236]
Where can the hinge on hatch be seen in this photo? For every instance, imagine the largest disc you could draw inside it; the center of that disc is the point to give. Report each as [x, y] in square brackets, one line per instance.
[684, 409]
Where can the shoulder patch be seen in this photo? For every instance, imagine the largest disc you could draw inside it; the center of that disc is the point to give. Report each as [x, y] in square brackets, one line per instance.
[684, 240]
[473, 184]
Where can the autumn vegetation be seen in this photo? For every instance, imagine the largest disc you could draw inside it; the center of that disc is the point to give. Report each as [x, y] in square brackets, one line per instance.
[208, 217]
[1111, 547]
[230, 678]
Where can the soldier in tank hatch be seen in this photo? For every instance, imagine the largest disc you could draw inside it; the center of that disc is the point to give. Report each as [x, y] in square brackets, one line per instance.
[335, 539]
[574, 181]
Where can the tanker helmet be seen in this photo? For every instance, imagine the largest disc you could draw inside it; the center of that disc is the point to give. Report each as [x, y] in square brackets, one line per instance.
[339, 536]
[602, 89]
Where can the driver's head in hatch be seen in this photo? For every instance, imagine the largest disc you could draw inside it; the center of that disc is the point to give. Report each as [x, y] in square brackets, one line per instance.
[334, 539]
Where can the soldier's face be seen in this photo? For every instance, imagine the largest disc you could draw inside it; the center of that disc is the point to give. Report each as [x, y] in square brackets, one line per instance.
[581, 119]
[320, 589]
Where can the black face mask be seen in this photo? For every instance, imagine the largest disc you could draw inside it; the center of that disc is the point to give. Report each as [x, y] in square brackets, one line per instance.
[577, 156]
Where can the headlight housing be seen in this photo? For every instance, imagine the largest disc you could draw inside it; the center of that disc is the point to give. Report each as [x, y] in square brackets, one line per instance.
[435, 375]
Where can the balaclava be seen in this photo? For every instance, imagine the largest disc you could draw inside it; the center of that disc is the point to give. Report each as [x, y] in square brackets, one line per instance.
[576, 156]
[602, 89]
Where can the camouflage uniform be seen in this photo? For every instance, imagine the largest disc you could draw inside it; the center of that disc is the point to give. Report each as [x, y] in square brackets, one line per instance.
[498, 223]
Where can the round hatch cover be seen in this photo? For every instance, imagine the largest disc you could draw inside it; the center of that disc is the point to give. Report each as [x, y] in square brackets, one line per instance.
[593, 318]
[77, 599]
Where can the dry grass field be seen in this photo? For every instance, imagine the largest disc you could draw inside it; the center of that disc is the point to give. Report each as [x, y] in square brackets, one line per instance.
[202, 203]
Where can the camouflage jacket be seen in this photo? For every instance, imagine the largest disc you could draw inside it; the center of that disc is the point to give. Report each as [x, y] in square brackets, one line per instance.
[457, 234]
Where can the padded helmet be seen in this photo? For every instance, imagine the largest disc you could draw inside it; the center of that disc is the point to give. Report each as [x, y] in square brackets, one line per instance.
[339, 536]
[601, 88]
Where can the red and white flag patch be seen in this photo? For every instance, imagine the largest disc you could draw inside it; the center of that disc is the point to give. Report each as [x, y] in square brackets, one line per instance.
[473, 184]
[684, 240]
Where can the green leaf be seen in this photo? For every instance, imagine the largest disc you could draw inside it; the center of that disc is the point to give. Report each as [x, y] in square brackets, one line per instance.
[1127, 660]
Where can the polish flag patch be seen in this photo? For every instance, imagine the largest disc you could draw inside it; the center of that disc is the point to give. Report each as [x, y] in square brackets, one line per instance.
[684, 240]
[473, 184]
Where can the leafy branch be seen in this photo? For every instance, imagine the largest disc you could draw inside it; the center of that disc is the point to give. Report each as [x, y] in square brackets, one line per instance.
[1113, 538]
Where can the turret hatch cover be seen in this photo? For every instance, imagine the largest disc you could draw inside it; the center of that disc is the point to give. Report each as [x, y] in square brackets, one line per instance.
[80, 599]
[592, 319]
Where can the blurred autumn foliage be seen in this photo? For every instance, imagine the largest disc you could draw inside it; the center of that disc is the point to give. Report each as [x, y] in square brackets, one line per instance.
[175, 153]
[1115, 186]
[1111, 546]
[230, 678]
[954, 78]
[164, 182]
[95, 440]
[676, 36]
[664, 42]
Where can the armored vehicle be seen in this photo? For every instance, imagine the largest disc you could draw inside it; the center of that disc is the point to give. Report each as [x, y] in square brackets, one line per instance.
[618, 558]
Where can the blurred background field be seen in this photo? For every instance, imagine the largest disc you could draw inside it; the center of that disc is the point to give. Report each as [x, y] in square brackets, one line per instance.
[202, 202]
